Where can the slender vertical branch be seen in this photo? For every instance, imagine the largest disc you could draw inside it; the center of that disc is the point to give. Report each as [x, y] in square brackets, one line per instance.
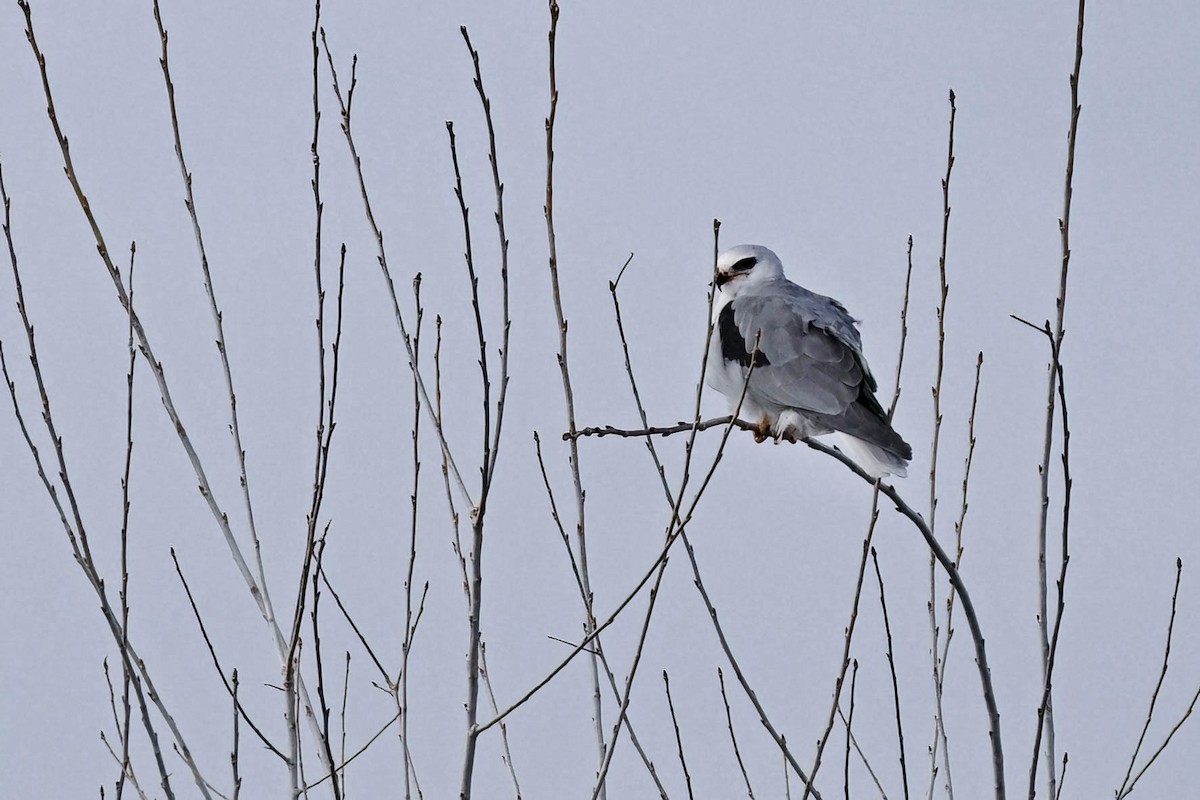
[612, 681]
[345, 101]
[679, 522]
[123, 763]
[903, 331]
[401, 693]
[159, 374]
[733, 737]
[589, 623]
[849, 728]
[212, 652]
[218, 323]
[345, 698]
[126, 672]
[787, 786]
[938, 668]
[1053, 383]
[507, 757]
[474, 581]
[468, 256]
[77, 535]
[233, 755]
[848, 639]
[853, 742]
[672, 498]
[962, 512]
[1162, 676]
[891, 659]
[498, 186]
[1167, 741]
[322, 706]
[687, 776]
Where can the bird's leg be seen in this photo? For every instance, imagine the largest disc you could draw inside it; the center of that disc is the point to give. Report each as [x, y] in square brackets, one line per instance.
[762, 430]
[789, 427]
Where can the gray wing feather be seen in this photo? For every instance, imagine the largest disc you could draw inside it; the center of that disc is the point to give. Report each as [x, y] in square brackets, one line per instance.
[812, 347]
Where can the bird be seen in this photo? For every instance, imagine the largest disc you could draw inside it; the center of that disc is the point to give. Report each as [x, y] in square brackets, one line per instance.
[803, 354]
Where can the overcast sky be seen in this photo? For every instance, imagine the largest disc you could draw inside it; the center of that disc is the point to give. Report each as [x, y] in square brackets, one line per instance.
[817, 131]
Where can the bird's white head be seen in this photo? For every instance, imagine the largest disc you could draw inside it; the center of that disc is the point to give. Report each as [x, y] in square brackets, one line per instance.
[746, 265]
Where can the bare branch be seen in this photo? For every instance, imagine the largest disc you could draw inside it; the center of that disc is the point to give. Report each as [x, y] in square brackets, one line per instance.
[845, 662]
[903, 332]
[732, 737]
[1126, 787]
[849, 720]
[938, 667]
[1054, 379]
[345, 102]
[891, 659]
[687, 776]
[487, 682]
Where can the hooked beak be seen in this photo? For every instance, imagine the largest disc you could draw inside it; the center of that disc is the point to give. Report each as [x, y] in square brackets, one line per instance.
[723, 278]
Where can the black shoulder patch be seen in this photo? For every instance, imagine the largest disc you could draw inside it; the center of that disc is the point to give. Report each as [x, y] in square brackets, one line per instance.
[733, 346]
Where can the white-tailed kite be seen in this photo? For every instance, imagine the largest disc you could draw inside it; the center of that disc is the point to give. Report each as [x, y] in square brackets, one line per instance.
[810, 377]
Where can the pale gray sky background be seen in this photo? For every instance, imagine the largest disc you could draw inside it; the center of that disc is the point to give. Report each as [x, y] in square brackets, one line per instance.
[819, 131]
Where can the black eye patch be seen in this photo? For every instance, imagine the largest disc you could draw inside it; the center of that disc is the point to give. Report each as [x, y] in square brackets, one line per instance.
[744, 264]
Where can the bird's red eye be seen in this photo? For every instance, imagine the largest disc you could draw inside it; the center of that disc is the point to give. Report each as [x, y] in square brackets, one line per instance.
[744, 264]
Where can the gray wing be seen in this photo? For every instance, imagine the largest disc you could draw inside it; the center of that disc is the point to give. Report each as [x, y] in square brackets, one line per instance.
[810, 351]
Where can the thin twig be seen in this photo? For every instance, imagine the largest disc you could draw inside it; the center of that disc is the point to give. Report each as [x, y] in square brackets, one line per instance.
[687, 776]
[345, 699]
[737, 671]
[325, 420]
[130, 774]
[79, 543]
[732, 737]
[507, 757]
[257, 584]
[962, 513]
[863, 758]
[345, 101]
[938, 674]
[1170, 735]
[233, 755]
[160, 379]
[218, 323]
[891, 659]
[322, 707]
[848, 639]
[968, 606]
[474, 581]
[652, 569]
[787, 786]
[597, 651]
[505, 321]
[659, 430]
[849, 727]
[589, 622]
[124, 595]
[342, 766]
[903, 331]
[939, 554]
[401, 693]
[1046, 708]
[1162, 675]
[696, 425]
[673, 500]
[216, 662]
